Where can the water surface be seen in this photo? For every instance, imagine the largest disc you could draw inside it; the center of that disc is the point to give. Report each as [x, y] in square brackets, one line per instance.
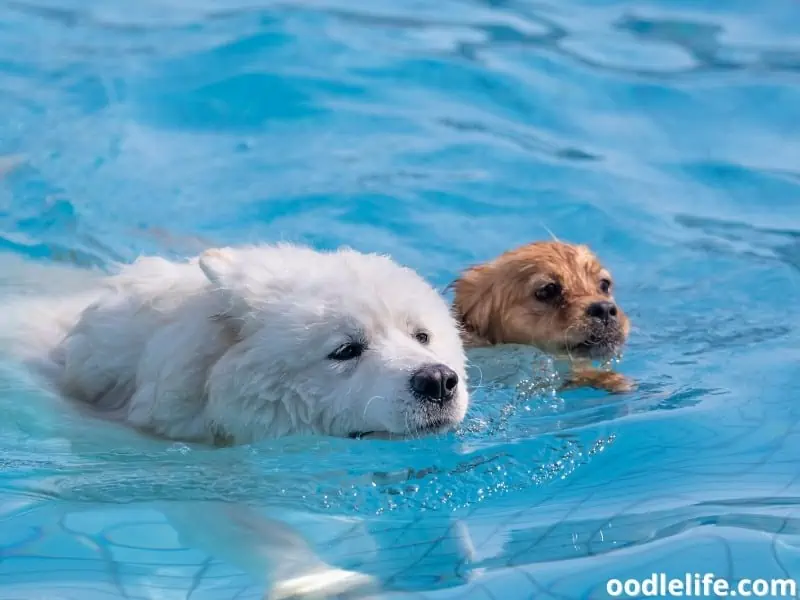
[665, 134]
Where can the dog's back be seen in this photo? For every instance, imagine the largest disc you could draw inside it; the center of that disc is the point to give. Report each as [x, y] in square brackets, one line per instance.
[93, 338]
[141, 350]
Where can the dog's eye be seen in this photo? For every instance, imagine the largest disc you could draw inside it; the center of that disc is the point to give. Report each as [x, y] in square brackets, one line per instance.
[549, 292]
[422, 337]
[347, 351]
[605, 286]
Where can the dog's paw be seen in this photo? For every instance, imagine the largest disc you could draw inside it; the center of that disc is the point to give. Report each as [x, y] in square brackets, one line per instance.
[325, 583]
[610, 381]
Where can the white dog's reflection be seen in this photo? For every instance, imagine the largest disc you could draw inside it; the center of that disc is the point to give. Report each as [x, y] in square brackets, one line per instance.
[302, 555]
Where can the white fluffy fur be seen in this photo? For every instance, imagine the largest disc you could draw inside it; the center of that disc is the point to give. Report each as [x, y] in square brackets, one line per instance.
[233, 346]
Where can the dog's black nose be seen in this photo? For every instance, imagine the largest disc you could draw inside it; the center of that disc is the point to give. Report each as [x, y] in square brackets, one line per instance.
[603, 310]
[435, 383]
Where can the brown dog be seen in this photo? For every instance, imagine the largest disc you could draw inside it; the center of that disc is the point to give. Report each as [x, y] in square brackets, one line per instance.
[551, 295]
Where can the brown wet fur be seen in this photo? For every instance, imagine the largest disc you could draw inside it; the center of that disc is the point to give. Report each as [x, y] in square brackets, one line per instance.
[496, 303]
[611, 381]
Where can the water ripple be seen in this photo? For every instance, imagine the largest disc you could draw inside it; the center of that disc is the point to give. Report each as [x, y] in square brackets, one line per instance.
[665, 136]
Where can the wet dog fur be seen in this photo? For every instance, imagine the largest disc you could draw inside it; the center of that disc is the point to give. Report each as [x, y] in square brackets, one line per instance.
[552, 295]
[241, 344]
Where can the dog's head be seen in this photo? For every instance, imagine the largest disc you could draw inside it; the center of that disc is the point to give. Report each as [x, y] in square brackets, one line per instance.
[339, 343]
[552, 295]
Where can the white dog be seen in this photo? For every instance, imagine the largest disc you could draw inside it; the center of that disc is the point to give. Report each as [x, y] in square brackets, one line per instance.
[256, 342]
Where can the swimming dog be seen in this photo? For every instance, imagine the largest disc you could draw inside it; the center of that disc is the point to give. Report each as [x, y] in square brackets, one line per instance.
[240, 344]
[552, 295]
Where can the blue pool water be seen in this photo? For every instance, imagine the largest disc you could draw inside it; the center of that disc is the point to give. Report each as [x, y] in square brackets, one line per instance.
[665, 134]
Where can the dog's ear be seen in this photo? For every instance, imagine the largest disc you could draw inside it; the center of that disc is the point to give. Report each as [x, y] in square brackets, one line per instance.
[222, 269]
[479, 301]
[218, 265]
